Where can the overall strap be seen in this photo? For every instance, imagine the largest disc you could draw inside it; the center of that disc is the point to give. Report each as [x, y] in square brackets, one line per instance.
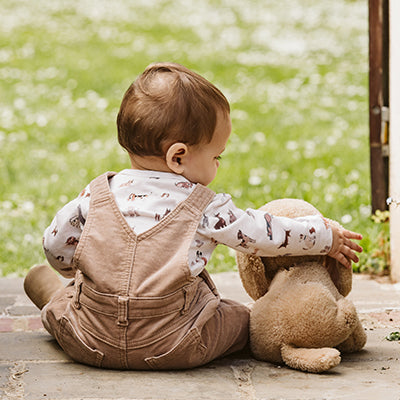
[100, 189]
[199, 198]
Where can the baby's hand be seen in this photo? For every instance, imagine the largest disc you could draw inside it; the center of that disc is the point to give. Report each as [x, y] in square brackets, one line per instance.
[343, 248]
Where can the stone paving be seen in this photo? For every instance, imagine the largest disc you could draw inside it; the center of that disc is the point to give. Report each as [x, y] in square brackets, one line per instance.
[32, 366]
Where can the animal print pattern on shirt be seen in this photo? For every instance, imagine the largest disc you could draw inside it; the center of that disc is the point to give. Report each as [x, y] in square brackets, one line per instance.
[146, 197]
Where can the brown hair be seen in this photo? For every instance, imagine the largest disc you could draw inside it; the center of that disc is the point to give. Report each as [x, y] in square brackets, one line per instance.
[168, 103]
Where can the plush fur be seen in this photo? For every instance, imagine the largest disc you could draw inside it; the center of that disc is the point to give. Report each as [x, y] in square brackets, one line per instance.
[300, 317]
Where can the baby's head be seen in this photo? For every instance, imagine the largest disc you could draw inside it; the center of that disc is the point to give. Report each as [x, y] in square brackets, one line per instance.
[168, 112]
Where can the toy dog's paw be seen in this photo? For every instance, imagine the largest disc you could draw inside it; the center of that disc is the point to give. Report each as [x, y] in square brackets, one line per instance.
[355, 342]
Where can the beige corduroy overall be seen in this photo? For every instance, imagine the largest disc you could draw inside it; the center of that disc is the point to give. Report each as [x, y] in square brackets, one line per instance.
[133, 303]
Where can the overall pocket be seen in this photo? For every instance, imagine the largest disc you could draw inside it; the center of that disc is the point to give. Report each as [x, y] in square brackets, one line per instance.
[75, 347]
[188, 353]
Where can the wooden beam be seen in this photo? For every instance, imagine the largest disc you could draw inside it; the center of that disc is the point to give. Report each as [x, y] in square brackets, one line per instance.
[378, 97]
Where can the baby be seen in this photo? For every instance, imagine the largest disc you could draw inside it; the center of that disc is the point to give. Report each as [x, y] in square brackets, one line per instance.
[137, 242]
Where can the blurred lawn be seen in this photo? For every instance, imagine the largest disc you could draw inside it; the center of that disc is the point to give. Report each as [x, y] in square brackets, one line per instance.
[295, 72]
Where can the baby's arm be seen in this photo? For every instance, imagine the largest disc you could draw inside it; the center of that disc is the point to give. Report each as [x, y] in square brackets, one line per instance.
[260, 233]
[61, 238]
[343, 248]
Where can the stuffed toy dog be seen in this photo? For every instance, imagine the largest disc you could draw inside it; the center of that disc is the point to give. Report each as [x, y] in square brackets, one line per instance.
[300, 316]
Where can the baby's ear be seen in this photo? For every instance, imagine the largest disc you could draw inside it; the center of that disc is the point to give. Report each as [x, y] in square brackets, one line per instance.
[174, 157]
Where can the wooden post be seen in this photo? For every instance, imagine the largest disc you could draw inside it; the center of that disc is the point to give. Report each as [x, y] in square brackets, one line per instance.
[394, 71]
[378, 97]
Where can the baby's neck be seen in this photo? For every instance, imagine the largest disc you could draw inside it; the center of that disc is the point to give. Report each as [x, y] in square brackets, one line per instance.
[149, 163]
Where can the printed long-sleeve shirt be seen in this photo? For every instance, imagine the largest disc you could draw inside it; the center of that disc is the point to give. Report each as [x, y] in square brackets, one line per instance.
[145, 197]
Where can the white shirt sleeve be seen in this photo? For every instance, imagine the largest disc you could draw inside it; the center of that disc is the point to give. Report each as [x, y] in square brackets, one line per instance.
[260, 233]
[62, 236]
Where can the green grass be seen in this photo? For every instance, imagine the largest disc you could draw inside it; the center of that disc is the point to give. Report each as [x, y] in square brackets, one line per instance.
[295, 72]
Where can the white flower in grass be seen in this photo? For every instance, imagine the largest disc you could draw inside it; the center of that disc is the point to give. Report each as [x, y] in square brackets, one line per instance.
[73, 146]
[259, 137]
[309, 149]
[237, 193]
[254, 180]
[346, 219]
[239, 114]
[231, 252]
[63, 198]
[7, 118]
[365, 210]
[102, 103]
[353, 176]
[54, 178]
[6, 205]
[28, 238]
[321, 173]
[27, 207]
[256, 176]
[19, 103]
[41, 120]
[329, 198]
[351, 190]
[292, 145]
[266, 188]
[81, 102]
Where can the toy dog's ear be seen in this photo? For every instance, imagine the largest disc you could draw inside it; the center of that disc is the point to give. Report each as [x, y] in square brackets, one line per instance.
[341, 276]
[252, 275]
